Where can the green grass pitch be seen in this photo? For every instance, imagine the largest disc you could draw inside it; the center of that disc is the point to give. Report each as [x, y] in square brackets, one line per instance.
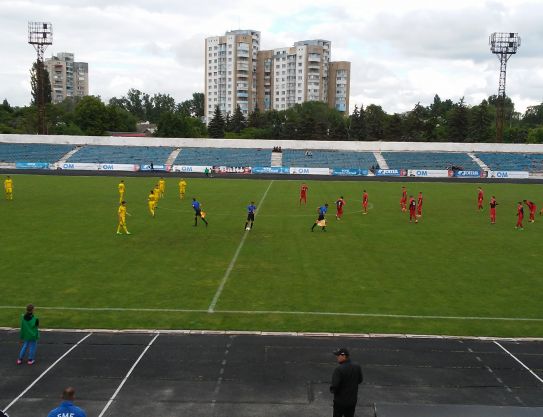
[452, 273]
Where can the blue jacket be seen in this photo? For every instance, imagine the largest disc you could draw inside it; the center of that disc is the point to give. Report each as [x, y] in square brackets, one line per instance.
[67, 409]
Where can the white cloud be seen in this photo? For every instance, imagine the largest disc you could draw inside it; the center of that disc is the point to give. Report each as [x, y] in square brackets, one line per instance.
[402, 52]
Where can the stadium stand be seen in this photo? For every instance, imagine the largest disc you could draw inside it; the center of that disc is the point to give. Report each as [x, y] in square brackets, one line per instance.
[328, 159]
[532, 162]
[429, 160]
[234, 157]
[32, 152]
[122, 154]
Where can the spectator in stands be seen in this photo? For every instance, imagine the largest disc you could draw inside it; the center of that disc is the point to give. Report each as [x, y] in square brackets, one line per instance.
[29, 335]
[345, 380]
[67, 407]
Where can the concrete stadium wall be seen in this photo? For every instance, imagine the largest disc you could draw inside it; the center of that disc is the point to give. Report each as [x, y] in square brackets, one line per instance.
[269, 144]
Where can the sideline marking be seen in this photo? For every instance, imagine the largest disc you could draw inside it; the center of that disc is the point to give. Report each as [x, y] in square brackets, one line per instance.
[127, 375]
[211, 308]
[45, 372]
[518, 360]
[302, 313]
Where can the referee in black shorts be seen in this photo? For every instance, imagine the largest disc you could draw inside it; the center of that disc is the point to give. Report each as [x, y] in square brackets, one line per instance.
[251, 208]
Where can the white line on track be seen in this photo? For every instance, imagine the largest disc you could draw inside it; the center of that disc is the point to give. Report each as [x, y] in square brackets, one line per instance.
[301, 313]
[518, 360]
[45, 372]
[127, 376]
[218, 293]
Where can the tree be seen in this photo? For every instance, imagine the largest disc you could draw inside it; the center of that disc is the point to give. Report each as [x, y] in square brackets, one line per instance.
[457, 122]
[357, 126]
[480, 121]
[375, 122]
[120, 120]
[216, 124]
[91, 116]
[34, 84]
[394, 128]
[237, 122]
[255, 119]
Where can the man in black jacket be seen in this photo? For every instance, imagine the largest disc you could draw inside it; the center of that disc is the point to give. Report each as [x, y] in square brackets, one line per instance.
[345, 380]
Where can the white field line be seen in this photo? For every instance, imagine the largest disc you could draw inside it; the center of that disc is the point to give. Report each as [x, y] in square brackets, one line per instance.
[218, 293]
[298, 313]
[45, 372]
[518, 360]
[127, 376]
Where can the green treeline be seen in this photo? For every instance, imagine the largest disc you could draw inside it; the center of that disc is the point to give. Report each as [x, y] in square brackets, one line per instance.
[441, 121]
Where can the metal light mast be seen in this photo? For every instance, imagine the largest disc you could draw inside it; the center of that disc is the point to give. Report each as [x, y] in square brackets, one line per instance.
[503, 45]
[40, 35]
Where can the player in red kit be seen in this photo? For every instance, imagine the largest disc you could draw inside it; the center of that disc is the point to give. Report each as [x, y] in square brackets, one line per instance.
[480, 198]
[520, 216]
[365, 202]
[412, 209]
[419, 205]
[403, 200]
[303, 193]
[340, 203]
[532, 207]
[493, 205]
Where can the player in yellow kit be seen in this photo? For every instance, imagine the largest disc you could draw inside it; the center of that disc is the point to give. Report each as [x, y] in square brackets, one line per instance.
[182, 188]
[122, 218]
[121, 187]
[151, 202]
[162, 186]
[156, 192]
[8, 188]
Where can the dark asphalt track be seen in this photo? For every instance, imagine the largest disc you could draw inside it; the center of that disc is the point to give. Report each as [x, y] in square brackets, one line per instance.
[242, 375]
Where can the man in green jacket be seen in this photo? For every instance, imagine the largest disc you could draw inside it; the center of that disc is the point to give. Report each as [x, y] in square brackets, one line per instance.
[29, 335]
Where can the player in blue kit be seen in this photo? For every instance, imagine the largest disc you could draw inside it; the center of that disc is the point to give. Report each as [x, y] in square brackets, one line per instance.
[251, 208]
[321, 221]
[67, 407]
[198, 212]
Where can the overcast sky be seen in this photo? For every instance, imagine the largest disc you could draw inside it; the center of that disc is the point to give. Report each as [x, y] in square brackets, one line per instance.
[402, 51]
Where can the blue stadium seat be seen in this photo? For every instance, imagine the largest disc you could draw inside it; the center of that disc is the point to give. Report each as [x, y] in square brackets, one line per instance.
[429, 160]
[122, 154]
[532, 162]
[234, 157]
[328, 159]
[32, 152]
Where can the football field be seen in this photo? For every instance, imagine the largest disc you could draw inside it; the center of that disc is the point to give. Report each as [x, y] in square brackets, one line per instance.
[452, 273]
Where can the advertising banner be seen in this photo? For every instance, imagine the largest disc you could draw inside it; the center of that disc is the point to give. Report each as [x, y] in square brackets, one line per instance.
[118, 167]
[349, 172]
[508, 174]
[231, 170]
[432, 173]
[155, 167]
[31, 165]
[79, 166]
[468, 174]
[191, 168]
[269, 170]
[309, 171]
[391, 172]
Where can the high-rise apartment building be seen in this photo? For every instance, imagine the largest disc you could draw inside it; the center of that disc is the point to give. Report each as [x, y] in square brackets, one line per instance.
[68, 78]
[272, 79]
[231, 64]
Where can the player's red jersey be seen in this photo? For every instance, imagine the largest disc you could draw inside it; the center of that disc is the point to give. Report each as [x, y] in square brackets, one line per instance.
[303, 193]
[412, 209]
[480, 198]
[365, 198]
[493, 205]
[419, 205]
[532, 207]
[340, 203]
[403, 200]
[520, 214]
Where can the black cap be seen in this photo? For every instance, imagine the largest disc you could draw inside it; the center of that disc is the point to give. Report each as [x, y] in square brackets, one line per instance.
[341, 351]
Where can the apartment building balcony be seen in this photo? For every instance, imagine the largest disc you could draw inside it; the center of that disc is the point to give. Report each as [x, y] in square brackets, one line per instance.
[243, 66]
[242, 86]
[241, 94]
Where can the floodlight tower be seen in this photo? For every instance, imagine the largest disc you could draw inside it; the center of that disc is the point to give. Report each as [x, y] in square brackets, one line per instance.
[503, 45]
[40, 36]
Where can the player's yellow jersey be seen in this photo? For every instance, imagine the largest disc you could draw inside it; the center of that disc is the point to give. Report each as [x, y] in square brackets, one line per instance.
[151, 198]
[161, 185]
[121, 188]
[157, 192]
[122, 212]
[182, 185]
[8, 184]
